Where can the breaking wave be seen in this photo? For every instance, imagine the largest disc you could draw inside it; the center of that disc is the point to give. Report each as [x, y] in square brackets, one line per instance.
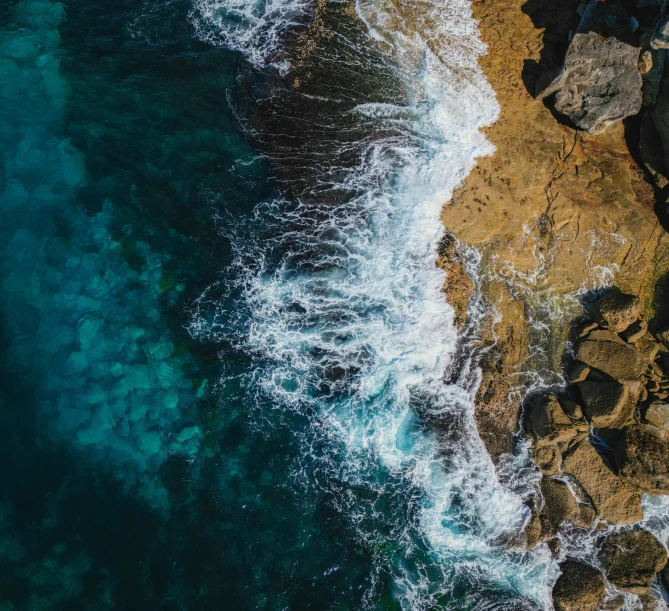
[341, 306]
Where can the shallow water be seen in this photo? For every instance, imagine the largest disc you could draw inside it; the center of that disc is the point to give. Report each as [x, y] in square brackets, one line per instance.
[230, 378]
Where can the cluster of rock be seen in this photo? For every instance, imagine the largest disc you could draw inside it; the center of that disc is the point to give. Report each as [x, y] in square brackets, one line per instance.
[614, 67]
[630, 559]
[601, 443]
[607, 431]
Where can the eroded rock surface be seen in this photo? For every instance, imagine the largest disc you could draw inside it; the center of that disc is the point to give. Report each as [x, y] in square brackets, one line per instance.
[580, 587]
[632, 559]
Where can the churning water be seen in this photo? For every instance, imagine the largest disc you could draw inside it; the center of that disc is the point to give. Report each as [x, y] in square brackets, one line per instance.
[340, 296]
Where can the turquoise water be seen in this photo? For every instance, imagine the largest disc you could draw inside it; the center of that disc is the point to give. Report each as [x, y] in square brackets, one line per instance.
[223, 358]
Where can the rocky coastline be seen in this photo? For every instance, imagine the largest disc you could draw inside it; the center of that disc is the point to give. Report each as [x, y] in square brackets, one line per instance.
[570, 216]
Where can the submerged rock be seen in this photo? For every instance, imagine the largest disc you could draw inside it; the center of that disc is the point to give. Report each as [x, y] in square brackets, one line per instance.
[580, 587]
[632, 559]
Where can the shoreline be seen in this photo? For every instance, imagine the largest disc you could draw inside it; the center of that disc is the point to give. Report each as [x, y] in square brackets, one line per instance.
[556, 214]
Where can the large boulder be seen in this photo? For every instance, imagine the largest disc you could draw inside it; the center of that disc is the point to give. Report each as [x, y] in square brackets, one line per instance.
[632, 559]
[614, 499]
[546, 422]
[657, 414]
[642, 460]
[612, 356]
[608, 404]
[580, 587]
[660, 116]
[600, 83]
[615, 310]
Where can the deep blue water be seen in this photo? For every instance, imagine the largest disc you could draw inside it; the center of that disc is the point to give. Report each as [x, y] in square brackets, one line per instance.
[218, 385]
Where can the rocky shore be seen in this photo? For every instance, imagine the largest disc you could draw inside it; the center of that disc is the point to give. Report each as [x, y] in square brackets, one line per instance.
[570, 216]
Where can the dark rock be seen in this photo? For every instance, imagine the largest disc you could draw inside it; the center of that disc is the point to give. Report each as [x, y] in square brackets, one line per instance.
[632, 559]
[616, 311]
[580, 587]
[635, 331]
[546, 422]
[555, 545]
[608, 404]
[660, 116]
[578, 372]
[613, 499]
[643, 460]
[660, 39]
[600, 83]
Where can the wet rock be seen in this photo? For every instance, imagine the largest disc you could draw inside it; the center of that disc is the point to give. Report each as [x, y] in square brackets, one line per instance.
[608, 404]
[615, 358]
[580, 587]
[616, 310]
[643, 460]
[632, 559]
[600, 83]
[555, 545]
[613, 499]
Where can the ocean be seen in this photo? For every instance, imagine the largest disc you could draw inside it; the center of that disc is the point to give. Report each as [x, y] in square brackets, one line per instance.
[230, 377]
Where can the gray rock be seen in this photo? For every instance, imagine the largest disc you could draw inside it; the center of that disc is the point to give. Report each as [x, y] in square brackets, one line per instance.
[632, 559]
[580, 587]
[660, 39]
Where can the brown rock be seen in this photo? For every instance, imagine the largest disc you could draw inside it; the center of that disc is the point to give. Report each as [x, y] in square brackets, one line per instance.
[632, 559]
[548, 458]
[608, 404]
[578, 372]
[615, 358]
[658, 414]
[580, 587]
[613, 499]
[616, 311]
[546, 421]
[635, 331]
[643, 460]
[648, 347]
[559, 505]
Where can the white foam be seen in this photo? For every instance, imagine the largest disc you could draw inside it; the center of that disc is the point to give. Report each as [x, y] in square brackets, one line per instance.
[376, 309]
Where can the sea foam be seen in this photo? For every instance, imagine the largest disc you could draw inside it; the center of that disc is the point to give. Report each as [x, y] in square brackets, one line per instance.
[360, 337]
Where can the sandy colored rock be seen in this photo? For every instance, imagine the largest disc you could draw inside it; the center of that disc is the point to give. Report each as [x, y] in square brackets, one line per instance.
[546, 421]
[613, 499]
[580, 587]
[618, 360]
[632, 559]
[657, 414]
[553, 211]
[458, 286]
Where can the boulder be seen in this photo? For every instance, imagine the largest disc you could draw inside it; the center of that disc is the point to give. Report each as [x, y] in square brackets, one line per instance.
[613, 499]
[577, 372]
[657, 414]
[546, 422]
[600, 83]
[635, 331]
[615, 358]
[642, 460]
[632, 559]
[616, 311]
[548, 458]
[580, 587]
[608, 404]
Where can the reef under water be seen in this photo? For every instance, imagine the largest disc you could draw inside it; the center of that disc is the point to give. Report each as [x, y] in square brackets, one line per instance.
[225, 349]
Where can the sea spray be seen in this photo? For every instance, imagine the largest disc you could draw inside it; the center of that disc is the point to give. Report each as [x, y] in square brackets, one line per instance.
[344, 312]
